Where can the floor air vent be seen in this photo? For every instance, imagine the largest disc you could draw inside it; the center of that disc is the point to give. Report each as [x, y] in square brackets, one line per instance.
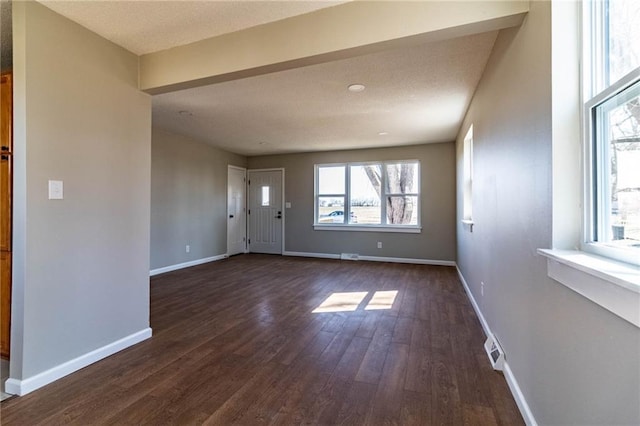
[495, 353]
[349, 256]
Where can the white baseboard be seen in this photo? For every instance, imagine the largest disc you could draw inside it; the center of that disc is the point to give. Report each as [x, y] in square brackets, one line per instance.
[523, 406]
[25, 386]
[307, 254]
[408, 260]
[373, 258]
[483, 322]
[186, 264]
[527, 415]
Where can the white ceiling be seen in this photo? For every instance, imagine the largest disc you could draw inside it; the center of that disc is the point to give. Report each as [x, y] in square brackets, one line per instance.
[414, 94]
[143, 26]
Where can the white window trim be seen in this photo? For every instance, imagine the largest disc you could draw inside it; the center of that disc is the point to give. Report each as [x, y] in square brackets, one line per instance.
[588, 241]
[592, 95]
[587, 270]
[404, 229]
[613, 285]
[413, 229]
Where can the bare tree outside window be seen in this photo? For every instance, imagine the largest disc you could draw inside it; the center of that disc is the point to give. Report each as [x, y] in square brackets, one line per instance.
[399, 180]
[624, 177]
[368, 194]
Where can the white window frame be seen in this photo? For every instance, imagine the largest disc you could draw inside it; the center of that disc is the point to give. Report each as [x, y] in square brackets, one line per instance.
[595, 93]
[467, 176]
[573, 262]
[383, 227]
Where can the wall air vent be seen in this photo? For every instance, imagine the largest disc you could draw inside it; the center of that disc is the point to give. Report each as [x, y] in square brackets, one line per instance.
[349, 256]
[495, 353]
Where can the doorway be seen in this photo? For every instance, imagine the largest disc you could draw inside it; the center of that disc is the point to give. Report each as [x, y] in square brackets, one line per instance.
[266, 211]
[236, 210]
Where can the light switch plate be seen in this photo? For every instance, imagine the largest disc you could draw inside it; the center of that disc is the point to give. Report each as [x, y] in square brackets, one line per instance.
[55, 190]
[287, 205]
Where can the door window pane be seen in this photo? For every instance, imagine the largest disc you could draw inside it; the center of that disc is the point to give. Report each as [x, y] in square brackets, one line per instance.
[265, 196]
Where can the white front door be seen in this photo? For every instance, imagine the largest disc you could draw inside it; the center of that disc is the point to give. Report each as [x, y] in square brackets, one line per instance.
[236, 211]
[265, 211]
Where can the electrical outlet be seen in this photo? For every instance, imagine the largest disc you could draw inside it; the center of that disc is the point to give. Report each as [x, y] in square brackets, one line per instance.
[55, 190]
[187, 248]
[379, 244]
[481, 288]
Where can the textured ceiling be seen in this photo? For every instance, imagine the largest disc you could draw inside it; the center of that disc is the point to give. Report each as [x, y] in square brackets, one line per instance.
[148, 26]
[415, 95]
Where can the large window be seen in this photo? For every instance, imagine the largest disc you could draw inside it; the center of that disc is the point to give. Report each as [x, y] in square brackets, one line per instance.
[368, 195]
[612, 129]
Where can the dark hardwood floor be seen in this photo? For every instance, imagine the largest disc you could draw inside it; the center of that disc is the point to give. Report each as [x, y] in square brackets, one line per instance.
[236, 342]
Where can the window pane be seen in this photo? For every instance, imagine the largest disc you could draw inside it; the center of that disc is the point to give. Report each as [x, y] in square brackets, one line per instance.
[624, 38]
[620, 201]
[265, 196]
[364, 193]
[331, 180]
[401, 178]
[468, 175]
[331, 209]
[402, 210]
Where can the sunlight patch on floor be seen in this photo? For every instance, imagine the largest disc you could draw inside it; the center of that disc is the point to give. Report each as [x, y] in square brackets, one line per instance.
[382, 300]
[349, 301]
[341, 302]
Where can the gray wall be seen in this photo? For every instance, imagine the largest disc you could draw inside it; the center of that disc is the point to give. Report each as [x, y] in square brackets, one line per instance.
[81, 265]
[188, 199]
[575, 362]
[437, 240]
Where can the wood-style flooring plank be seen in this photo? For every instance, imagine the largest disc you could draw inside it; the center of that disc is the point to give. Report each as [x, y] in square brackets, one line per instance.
[371, 368]
[386, 405]
[236, 342]
[356, 403]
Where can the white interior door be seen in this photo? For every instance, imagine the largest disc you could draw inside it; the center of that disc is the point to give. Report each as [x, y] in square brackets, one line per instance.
[236, 211]
[265, 211]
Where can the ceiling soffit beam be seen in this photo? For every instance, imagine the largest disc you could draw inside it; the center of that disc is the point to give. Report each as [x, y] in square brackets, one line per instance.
[330, 34]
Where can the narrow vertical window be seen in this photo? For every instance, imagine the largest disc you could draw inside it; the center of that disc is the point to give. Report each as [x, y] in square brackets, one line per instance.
[467, 203]
[265, 196]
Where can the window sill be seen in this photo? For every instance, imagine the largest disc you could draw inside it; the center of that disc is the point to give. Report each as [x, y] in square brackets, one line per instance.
[613, 285]
[369, 228]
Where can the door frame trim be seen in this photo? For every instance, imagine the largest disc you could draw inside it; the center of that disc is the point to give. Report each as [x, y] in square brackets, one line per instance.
[284, 216]
[246, 203]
